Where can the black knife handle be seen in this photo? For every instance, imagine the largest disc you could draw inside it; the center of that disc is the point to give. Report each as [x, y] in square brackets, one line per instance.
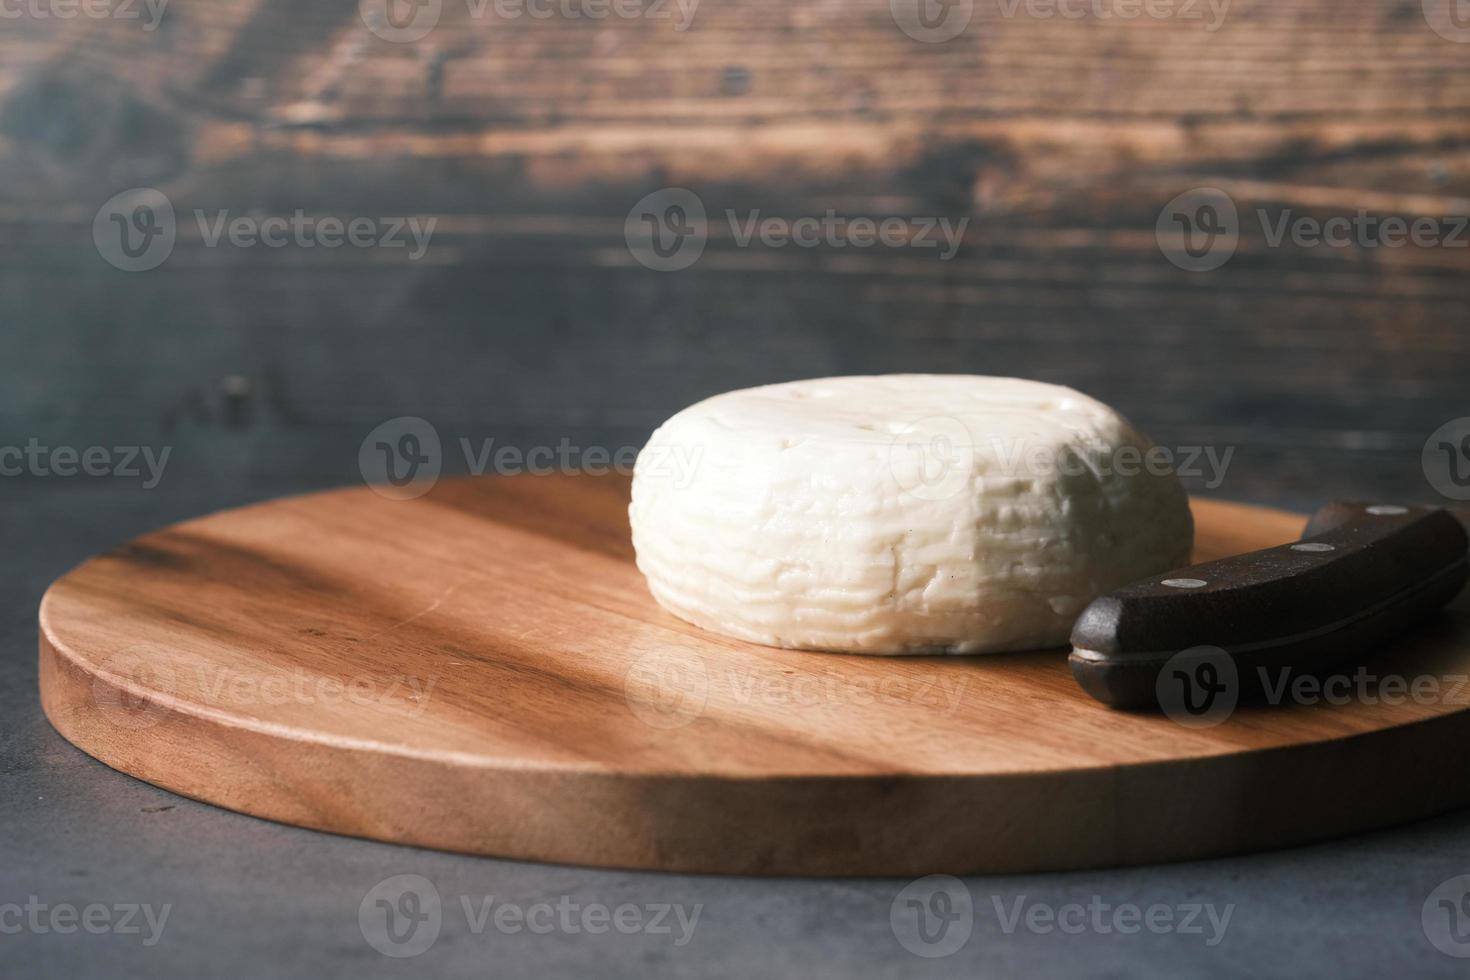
[1363, 573]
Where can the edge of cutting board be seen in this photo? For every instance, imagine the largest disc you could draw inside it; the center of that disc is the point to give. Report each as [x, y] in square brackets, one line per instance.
[537, 742]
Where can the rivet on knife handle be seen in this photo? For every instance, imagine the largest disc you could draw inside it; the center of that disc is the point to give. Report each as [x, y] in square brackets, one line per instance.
[1362, 574]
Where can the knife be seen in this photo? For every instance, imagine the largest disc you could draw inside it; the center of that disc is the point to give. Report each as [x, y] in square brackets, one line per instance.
[1361, 574]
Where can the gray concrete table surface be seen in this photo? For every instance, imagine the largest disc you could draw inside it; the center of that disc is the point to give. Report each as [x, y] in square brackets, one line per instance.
[101, 874]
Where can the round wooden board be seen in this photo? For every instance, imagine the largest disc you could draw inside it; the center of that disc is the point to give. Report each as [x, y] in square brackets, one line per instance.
[481, 669]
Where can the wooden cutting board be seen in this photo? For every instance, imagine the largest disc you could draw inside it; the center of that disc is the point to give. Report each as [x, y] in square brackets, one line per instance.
[481, 669]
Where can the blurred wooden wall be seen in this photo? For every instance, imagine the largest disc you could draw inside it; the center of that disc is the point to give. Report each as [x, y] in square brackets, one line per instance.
[530, 139]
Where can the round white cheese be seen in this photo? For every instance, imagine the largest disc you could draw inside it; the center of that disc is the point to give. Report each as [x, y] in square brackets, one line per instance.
[901, 514]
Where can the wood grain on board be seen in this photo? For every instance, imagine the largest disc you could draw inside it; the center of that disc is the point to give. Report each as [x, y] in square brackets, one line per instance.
[481, 669]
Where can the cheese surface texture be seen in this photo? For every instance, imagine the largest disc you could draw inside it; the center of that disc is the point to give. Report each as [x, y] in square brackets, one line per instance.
[901, 514]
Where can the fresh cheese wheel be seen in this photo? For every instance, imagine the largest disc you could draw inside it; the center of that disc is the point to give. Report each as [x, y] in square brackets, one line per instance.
[901, 514]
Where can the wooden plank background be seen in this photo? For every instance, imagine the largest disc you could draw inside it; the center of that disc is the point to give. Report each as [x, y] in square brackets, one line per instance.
[530, 139]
